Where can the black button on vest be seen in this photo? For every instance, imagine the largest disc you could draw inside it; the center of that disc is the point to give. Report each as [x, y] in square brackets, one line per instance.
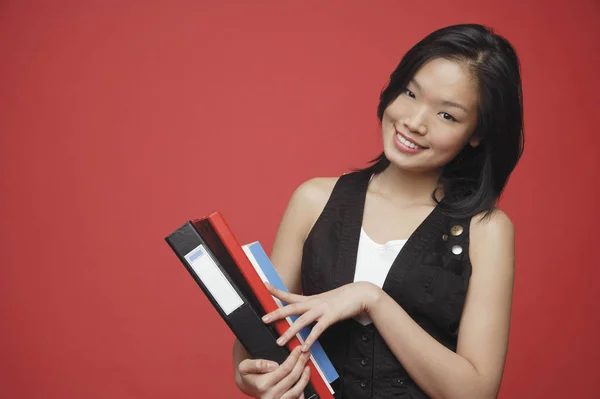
[429, 279]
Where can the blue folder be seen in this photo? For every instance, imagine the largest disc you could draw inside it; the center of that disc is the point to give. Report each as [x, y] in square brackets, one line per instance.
[316, 349]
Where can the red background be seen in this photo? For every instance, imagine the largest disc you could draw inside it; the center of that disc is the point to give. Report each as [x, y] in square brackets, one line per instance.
[121, 120]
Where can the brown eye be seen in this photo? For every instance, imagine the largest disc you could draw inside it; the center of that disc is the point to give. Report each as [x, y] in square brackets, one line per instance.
[447, 116]
[409, 93]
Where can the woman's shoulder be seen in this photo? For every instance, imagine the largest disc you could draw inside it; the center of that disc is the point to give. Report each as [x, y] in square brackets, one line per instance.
[496, 222]
[309, 200]
[492, 241]
[316, 190]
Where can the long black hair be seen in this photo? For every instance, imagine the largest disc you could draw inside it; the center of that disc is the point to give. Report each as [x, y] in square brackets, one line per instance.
[474, 180]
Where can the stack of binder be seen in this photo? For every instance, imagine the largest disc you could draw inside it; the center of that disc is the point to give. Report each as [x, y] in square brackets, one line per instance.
[232, 277]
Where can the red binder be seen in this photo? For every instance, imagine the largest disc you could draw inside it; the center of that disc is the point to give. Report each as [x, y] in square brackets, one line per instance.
[260, 291]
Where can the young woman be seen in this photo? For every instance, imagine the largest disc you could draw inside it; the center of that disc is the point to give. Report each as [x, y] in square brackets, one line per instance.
[406, 268]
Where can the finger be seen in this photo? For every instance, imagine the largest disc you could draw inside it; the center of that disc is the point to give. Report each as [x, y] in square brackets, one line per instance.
[297, 391]
[284, 295]
[315, 333]
[256, 366]
[286, 367]
[286, 311]
[301, 322]
[288, 381]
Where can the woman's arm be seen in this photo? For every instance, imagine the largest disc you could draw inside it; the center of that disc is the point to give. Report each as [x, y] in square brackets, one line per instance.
[475, 370]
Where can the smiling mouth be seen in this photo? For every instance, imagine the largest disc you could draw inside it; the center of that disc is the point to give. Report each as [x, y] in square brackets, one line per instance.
[408, 143]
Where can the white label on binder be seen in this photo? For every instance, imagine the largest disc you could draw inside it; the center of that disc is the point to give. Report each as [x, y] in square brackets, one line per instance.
[213, 278]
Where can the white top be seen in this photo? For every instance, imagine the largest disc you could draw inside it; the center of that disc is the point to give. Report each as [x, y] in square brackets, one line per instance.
[373, 263]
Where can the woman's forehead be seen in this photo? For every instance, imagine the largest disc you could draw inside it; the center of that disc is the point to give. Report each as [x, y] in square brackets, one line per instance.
[447, 80]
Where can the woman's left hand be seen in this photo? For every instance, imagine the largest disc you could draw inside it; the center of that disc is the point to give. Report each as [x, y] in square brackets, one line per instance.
[326, 309]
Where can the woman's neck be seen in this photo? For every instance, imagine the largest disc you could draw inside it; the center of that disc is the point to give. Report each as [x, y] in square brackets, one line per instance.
[406, 187]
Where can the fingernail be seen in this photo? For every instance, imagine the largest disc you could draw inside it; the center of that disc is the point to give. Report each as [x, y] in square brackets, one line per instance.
[266, 318]
[304, 348]
[272, 366]
[280, 340]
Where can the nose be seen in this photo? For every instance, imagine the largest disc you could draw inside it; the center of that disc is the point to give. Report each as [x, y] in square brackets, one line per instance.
[416, 121]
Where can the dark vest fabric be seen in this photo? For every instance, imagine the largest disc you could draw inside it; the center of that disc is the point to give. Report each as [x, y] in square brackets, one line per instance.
[428, 279]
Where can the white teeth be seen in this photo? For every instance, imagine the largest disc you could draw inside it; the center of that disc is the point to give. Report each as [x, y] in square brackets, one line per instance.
[407, 143]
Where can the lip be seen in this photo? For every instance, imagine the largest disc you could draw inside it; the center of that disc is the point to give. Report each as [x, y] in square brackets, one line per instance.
[411, 140]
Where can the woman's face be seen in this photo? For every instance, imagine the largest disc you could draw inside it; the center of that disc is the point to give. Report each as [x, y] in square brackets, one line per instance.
[431, 121]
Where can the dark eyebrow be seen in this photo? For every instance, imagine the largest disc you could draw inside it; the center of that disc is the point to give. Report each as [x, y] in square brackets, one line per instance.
[443, 102]
[453, 104]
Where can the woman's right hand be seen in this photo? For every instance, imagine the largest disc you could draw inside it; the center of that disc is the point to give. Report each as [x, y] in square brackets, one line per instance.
[265, 379]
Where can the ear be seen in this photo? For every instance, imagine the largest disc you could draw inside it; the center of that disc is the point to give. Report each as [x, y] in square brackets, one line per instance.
[474, 142]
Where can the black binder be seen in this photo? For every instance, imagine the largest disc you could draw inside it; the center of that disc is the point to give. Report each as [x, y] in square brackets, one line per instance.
[230, 299]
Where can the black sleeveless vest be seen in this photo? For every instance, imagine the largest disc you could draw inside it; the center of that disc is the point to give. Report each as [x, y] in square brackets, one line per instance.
[429, 279]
